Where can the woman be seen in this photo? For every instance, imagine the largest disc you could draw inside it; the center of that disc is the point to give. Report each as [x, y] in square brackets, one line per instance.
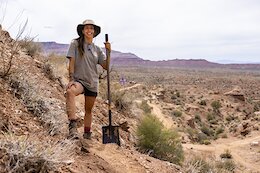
[83, 57]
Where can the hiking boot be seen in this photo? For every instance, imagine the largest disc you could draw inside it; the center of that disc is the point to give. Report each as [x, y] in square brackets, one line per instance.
[87, 135]
[73, 131]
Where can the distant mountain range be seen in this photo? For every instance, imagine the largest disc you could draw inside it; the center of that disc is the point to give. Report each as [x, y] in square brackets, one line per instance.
[130, 59]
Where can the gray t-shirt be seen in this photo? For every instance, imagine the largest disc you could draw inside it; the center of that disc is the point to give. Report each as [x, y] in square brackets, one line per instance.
[85, 69]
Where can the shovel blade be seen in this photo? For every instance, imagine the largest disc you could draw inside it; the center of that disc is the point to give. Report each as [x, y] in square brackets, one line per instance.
[110, 134]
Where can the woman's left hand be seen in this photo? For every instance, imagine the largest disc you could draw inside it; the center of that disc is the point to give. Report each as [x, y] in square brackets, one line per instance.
[108, 46]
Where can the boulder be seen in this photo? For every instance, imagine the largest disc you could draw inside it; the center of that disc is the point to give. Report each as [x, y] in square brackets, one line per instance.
[236, 93]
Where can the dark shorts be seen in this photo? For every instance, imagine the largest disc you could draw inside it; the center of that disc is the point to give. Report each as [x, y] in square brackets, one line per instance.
[87, 92]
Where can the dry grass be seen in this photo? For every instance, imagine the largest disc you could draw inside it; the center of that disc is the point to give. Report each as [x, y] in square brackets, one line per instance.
[198, 164]
[24, 154]
[47, 109]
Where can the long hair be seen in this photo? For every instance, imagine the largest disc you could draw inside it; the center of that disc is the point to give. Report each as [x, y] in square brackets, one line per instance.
[81, 45]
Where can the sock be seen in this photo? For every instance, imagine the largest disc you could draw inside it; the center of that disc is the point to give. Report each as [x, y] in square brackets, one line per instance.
[86, 129]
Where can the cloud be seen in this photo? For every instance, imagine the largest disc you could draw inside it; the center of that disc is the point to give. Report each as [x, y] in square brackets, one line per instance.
[152, 29]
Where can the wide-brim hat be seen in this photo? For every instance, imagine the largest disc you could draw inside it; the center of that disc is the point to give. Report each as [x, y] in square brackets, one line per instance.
[80, 27]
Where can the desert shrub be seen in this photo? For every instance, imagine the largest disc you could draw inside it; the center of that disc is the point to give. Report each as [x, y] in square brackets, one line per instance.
[121, 101]
[59, 62]
[230, 118]
[198, 165]
[42, 107]
[178, 94]
[177, 102]
[192, 134]
[149, 131]
[216, 105]
[9, 50]
[197, 118]
[173, 97]
[210, 117]
[161, 143]
[207, 131]
[23, 154]
[48, 71]
[32, 48]
[201, 137]
[145, 107]
[220, 130]
[203, 102]
[177, 113]
[257, 106]
[228, 165]
[226, 155]
[206, 142]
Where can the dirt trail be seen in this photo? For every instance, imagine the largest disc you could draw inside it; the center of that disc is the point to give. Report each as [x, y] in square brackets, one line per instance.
[117, 158]
[130, 87]
[166, 120]
[121, 159]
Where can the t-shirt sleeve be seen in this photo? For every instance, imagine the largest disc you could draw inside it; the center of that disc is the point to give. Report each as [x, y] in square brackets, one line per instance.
[101, 56]
[72, 49]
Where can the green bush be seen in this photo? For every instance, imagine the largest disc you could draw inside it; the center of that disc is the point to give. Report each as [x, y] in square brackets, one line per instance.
[220, 130]
[206, 142]
[207, 131]
[216, 105]
[210, 117]
[197, 118]
[162, 143]
[177, 113]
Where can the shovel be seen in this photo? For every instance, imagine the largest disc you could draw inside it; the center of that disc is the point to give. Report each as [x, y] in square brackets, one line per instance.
[110, 133]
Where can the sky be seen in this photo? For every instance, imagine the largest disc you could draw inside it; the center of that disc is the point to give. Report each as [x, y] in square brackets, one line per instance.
[224, 31]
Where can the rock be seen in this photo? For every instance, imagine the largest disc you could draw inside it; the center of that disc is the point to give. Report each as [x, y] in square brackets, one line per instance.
[236, 93]
[191, 123]
[124, 125]
[255, 143]
[245, 132]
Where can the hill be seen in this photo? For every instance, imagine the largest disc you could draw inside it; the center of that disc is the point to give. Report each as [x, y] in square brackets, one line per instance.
[129, 59]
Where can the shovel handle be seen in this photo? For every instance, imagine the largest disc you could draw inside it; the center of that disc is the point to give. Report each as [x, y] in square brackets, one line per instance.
[108, 85]
[106, 37]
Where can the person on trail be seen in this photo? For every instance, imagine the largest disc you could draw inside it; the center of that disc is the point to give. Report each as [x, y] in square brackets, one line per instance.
[83, 57]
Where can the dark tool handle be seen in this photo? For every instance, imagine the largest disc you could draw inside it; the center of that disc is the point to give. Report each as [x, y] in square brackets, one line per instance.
[108, 84]
[106, 37]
